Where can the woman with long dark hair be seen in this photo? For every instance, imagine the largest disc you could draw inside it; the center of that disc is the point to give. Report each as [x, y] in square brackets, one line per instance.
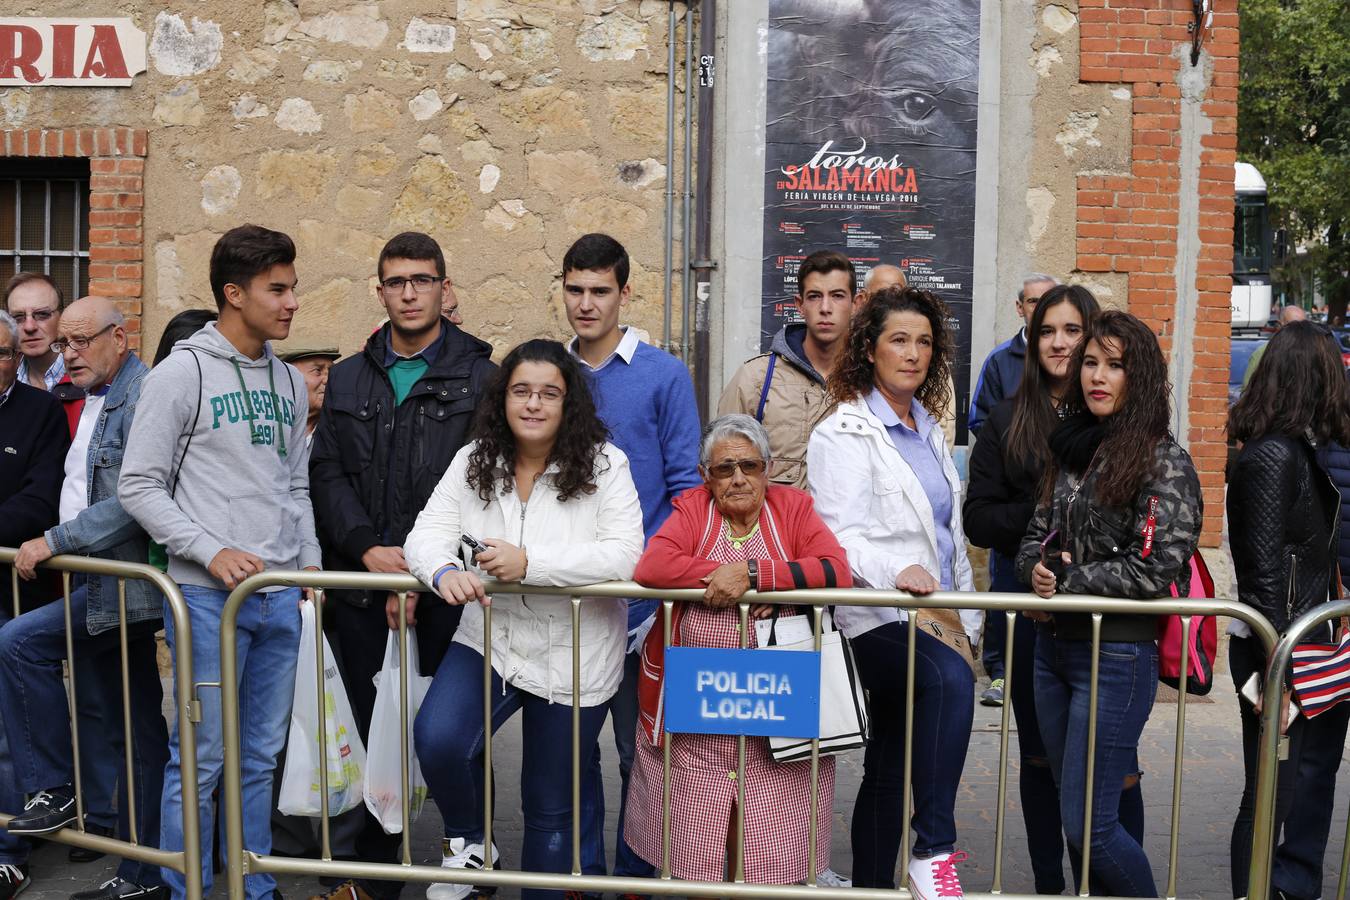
[884, 481]
[1006, 470]
[538, 497]
[1119, 516]
[1283, 518]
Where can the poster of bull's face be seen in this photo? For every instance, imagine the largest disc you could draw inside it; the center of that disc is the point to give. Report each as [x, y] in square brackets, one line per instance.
[870, 148]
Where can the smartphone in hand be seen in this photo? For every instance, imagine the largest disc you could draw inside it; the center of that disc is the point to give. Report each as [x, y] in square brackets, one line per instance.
[475, 546]
[1052, 549]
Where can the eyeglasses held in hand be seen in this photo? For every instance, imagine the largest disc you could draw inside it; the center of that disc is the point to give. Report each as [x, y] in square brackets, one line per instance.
[751, 467]
[37, 315]
[393, 287]
[549, 396]
[78, 343]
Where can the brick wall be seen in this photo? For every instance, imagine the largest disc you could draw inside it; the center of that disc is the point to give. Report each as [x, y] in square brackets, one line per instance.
[116, 200]
[1127, 222]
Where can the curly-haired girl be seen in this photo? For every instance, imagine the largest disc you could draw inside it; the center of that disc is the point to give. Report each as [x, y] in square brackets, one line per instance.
[539, 497]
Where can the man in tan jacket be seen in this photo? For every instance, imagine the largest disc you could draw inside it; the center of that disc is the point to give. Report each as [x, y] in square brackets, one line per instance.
[785, 388]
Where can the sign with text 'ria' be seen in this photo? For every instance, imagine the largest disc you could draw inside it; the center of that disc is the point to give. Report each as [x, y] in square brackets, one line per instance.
[70, 52]
[765, 693]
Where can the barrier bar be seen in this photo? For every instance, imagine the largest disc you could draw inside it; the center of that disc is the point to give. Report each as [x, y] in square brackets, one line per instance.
[667, 611]
[487, 734]
[576, 735]
[404, 769]
[907, 789]
[1175, 842]
[127, 747]
[188, 860]
[1091, 752]
[813, 829]
[1001, 815]
[74, 704]
[665, 885]
[325, 829]
[739, 875]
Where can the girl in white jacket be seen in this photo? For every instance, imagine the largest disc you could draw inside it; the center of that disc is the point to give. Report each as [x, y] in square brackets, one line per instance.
[884, 482]
[553, 503]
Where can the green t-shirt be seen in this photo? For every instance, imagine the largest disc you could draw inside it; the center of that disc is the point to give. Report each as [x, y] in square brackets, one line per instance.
[403, 374]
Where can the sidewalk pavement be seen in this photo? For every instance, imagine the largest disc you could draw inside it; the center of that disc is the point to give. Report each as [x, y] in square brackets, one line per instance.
[1212, 780]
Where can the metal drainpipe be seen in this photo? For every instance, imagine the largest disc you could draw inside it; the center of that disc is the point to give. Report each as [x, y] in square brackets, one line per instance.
[701, 266]
[686, 286]
[670, 184]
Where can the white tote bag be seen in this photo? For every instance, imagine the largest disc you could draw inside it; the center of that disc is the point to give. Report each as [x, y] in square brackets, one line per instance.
[384, 774]
[843, 709]
[342, 751]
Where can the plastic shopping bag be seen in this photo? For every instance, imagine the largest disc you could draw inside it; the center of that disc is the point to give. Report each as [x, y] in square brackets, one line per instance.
[342, 751]
[384, 774]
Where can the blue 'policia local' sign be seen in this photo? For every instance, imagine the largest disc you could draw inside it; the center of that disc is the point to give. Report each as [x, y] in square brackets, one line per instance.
[765, 693]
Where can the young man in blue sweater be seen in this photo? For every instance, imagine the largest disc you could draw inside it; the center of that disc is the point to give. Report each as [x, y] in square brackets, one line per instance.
[646, 398]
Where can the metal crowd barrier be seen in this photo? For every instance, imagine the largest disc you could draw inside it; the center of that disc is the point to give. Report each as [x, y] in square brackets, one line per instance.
[187, 861]
[1273, 743]
[240, 862]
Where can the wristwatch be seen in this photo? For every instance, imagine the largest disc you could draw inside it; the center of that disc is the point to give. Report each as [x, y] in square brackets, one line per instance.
[752, 566]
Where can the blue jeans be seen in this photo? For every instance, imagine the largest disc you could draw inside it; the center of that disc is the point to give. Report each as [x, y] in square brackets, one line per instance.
[32, 648]
[268, 636]
[624, 709]
[13, 850]
[1126, 684]
[944, 707]
[449, 738]
[1002, 578]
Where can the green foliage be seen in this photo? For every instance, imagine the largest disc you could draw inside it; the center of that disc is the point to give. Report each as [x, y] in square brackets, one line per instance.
[1294, 125]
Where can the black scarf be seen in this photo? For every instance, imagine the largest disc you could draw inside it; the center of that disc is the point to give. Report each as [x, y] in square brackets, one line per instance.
[1075, 441]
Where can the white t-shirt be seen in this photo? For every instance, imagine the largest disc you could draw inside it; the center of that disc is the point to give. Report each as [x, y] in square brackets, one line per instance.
[75, 489]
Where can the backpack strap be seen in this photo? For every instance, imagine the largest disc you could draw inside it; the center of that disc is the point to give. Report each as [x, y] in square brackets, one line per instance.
[201, 384]
[764, 391]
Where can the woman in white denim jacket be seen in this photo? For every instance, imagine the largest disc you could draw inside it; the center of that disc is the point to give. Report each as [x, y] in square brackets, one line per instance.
[552, 503]
[884, 482]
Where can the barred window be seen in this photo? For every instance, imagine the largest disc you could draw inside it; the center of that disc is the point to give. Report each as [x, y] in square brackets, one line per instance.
[44, 216]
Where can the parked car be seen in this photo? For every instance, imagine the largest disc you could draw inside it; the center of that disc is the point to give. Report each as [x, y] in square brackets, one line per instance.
[1240, 355]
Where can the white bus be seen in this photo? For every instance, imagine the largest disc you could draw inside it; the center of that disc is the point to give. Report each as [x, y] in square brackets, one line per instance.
[1251, 296]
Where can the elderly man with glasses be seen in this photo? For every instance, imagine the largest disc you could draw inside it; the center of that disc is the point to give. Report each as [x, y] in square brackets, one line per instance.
[92, 339]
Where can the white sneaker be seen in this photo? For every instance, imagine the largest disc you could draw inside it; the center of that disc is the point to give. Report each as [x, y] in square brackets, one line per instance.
[455, 854]
[936, 877]
[831, 879]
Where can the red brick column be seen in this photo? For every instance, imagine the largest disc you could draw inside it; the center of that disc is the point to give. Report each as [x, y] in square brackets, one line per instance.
[116, 203]
[1127, 222]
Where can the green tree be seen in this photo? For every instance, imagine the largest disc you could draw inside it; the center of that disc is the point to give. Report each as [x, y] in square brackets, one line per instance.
[1294, 125]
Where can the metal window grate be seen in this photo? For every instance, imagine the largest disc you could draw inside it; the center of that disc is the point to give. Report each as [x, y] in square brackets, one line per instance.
[44, 215]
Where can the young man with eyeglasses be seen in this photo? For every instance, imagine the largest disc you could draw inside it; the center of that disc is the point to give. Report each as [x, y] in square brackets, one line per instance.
[92, 521]
[217, 471]
[646, 398]
[394, 416]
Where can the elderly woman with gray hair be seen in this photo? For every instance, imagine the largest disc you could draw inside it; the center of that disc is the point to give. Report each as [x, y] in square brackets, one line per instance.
[734, 532]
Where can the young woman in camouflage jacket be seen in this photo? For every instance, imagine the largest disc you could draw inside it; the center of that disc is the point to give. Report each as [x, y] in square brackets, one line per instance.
[1121, 519]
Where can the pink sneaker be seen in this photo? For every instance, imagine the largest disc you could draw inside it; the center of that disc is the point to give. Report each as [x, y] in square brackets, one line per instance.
[936, 876]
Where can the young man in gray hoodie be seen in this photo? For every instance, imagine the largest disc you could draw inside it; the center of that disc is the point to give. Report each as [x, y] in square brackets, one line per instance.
[216, 470]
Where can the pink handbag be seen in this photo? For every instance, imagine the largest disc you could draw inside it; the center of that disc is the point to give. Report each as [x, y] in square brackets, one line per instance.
[1199, 651]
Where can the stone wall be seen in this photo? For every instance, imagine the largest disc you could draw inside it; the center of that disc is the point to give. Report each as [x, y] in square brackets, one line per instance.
[504, 128]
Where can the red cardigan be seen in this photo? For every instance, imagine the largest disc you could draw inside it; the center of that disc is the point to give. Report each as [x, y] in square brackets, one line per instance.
[804, 554]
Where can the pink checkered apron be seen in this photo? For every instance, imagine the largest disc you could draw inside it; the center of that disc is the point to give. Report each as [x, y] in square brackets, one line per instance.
[703, 780]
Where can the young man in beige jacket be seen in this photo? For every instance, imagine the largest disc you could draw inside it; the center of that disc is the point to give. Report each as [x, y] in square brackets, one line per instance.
[785, 388]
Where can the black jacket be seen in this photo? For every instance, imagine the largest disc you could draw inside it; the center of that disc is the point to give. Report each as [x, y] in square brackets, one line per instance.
[34, 438]
[1001, 496]
[1336, 460]
[1283, 513]
[372, 466]
[1115, 551]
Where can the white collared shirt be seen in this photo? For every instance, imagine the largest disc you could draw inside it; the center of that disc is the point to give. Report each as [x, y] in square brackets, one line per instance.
[628, 345]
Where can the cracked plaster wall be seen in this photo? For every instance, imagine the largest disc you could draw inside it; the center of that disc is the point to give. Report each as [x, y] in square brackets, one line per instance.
[505, 128]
